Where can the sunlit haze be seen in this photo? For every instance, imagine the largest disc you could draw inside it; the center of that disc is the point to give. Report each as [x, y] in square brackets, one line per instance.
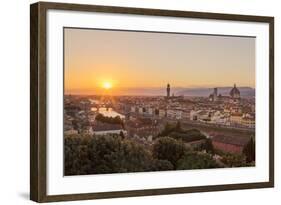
[107, 85]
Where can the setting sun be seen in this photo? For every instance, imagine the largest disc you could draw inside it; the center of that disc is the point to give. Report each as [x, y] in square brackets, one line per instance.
[107, 85]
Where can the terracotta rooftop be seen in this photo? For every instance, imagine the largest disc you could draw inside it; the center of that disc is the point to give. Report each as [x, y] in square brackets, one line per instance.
[106, 127]
[234, 140]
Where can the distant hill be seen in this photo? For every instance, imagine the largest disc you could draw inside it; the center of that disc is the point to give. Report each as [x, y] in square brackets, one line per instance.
[244, 91]
[197, 92]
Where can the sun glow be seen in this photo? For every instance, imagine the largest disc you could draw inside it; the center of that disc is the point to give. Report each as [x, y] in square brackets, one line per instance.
[107, 85]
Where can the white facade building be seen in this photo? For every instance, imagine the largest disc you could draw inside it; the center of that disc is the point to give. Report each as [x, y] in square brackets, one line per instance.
[105, 132]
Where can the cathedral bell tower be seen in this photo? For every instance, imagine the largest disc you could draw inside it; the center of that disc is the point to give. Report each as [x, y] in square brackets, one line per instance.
[168, 90]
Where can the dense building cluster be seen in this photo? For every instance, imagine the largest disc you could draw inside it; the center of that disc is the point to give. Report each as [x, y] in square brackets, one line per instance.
[143, 118]
[231, 111]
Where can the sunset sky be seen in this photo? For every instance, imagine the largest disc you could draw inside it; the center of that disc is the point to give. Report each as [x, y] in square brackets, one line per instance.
[98, 61]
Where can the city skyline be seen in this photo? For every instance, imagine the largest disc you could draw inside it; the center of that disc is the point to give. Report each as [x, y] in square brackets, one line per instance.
[111, 62]
[161, 91]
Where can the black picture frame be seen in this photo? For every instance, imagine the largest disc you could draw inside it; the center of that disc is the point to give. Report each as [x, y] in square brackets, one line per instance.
[38, 111]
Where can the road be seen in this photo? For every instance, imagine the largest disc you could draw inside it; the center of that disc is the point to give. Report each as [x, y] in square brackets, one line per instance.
[211, 128]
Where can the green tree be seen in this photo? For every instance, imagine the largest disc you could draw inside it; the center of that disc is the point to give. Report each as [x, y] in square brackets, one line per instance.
[250, 151]
[110, 120]
[75, 155]
[207, 145]
[234, 160]
[193, 160]
[166, 148]
[162, 165]
[106, 154]
[176, 132]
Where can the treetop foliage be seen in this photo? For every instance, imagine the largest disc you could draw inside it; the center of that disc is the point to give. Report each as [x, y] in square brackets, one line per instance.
[116, 154]
[111, 120]
[176, 132]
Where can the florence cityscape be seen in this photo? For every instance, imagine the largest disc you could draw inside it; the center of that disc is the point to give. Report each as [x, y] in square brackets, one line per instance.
[136, 113]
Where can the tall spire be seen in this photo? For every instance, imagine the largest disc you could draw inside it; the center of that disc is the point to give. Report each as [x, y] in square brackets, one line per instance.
[168, 90]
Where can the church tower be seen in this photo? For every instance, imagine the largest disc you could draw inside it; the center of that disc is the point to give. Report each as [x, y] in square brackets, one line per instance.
[168, 90]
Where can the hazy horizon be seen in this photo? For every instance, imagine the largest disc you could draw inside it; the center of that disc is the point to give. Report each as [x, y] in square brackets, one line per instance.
[126, 60]
[158, 91]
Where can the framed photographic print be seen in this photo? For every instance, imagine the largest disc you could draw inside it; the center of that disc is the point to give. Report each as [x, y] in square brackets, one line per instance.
[134, 102]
